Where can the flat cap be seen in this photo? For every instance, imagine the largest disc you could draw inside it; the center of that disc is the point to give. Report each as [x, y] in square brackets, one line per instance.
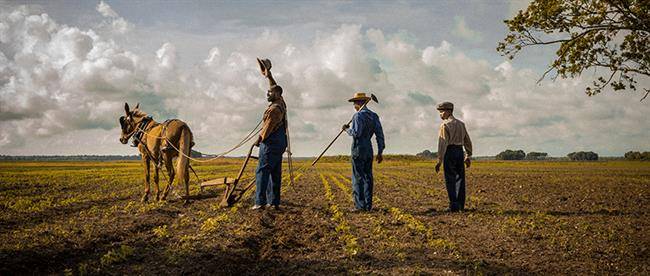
[445, 106]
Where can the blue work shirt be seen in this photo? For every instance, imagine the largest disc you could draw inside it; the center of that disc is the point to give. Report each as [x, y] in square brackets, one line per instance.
[365, 123]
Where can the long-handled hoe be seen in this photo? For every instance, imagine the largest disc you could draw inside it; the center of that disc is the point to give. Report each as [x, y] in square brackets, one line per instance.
[373, 98]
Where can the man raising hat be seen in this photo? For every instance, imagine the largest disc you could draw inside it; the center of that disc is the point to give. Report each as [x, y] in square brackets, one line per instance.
[365, 123]
[272, 142]
[452, 137]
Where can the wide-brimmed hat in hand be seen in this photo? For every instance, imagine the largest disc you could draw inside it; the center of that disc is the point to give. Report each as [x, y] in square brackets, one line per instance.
[265, 64]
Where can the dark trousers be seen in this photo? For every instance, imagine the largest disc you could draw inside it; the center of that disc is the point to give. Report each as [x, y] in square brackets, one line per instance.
[454, 168]
[268, 176]
[362, 182]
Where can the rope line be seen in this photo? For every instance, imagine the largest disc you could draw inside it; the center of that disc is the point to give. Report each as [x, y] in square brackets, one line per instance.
[246, 139]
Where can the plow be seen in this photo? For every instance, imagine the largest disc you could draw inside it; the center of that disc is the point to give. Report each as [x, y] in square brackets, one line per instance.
[232, 194]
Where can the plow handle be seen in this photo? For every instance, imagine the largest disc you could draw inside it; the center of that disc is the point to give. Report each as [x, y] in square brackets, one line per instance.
[248, 157]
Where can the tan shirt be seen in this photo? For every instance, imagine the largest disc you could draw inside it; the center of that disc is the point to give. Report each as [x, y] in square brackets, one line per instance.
[453, 132]
[273, 117]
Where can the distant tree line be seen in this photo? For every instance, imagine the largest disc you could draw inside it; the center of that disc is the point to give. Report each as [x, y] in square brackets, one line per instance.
[583, 156]
[68, 157]
[427, 154]
[511, 155]
[194, 154]
[635, 155]
[533, 155]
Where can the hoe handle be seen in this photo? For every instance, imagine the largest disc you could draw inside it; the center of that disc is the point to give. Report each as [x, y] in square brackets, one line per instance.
[328, 146]
[337, 136]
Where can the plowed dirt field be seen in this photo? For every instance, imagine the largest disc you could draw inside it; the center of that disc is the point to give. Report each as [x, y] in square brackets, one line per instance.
[521, 218]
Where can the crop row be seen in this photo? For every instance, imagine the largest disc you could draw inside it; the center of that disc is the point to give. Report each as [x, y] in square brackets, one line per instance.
[351, 247]
[411, 222]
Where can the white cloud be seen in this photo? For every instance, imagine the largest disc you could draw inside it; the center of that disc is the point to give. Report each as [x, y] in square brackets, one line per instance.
[63, 83]
[117, 23]
[106, 10]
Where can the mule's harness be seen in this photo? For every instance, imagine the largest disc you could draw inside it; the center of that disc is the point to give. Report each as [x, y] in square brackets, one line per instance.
[140, 130]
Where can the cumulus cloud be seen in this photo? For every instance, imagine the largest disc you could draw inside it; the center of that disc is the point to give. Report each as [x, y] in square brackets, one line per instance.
[58, 78]
[64, 86]
[106, 10]
[117, 23]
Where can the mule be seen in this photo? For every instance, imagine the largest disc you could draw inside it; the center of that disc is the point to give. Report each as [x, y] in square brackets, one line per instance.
[159, 143]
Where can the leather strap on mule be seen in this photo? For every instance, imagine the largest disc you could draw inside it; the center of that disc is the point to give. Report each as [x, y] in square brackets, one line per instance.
[137, 137]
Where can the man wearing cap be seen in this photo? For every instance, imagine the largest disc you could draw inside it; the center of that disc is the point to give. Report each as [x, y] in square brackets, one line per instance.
[452, 137]
[272, 142]
[365, 123]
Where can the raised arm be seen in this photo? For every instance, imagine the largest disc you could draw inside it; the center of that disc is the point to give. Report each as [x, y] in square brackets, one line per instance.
[272, 82]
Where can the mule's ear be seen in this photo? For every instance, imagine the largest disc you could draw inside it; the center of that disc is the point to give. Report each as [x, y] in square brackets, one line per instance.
[126, 108]
[137, 106]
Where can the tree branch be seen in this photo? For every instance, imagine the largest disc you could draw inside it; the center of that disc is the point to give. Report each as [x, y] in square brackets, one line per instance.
[647, 91]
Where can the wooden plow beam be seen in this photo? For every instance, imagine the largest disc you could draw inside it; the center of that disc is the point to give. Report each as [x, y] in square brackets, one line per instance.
[232, 194]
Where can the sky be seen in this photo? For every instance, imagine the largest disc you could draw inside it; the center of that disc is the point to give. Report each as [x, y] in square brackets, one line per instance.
[68, 67]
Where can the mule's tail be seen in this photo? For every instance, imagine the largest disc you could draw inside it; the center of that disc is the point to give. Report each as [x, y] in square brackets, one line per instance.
[182, 165]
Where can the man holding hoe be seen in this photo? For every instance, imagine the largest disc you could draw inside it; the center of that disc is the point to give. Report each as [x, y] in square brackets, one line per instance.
[451, 139]
[365, 123]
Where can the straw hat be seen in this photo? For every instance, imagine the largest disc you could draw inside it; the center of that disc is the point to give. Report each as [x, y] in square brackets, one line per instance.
[359, 96]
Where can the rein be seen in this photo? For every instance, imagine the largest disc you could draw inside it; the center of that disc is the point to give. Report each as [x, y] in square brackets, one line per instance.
[246, 139]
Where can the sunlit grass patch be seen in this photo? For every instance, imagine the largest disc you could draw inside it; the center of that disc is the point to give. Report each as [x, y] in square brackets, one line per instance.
[117, 255]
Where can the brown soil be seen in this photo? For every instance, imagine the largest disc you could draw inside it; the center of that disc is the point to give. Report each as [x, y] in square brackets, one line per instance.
[521, 218]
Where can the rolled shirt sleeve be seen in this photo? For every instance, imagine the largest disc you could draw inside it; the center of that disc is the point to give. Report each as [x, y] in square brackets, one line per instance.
[442, 143]
[467, 143]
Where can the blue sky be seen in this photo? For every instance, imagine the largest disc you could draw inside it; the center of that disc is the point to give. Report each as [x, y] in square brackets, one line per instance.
[67, 67]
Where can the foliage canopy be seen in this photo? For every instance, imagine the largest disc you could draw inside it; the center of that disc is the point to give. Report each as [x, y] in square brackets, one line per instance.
[599, 34]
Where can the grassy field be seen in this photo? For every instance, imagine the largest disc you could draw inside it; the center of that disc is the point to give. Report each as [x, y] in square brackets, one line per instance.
[522, 218]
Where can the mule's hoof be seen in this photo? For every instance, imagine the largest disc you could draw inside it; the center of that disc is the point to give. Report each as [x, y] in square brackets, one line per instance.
[144, 199]
[186, 202]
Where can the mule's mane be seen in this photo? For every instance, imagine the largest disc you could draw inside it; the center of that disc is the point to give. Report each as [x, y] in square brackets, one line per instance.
[138, 113]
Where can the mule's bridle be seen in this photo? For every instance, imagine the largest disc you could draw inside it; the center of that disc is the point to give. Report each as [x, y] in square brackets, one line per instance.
[138, 130]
